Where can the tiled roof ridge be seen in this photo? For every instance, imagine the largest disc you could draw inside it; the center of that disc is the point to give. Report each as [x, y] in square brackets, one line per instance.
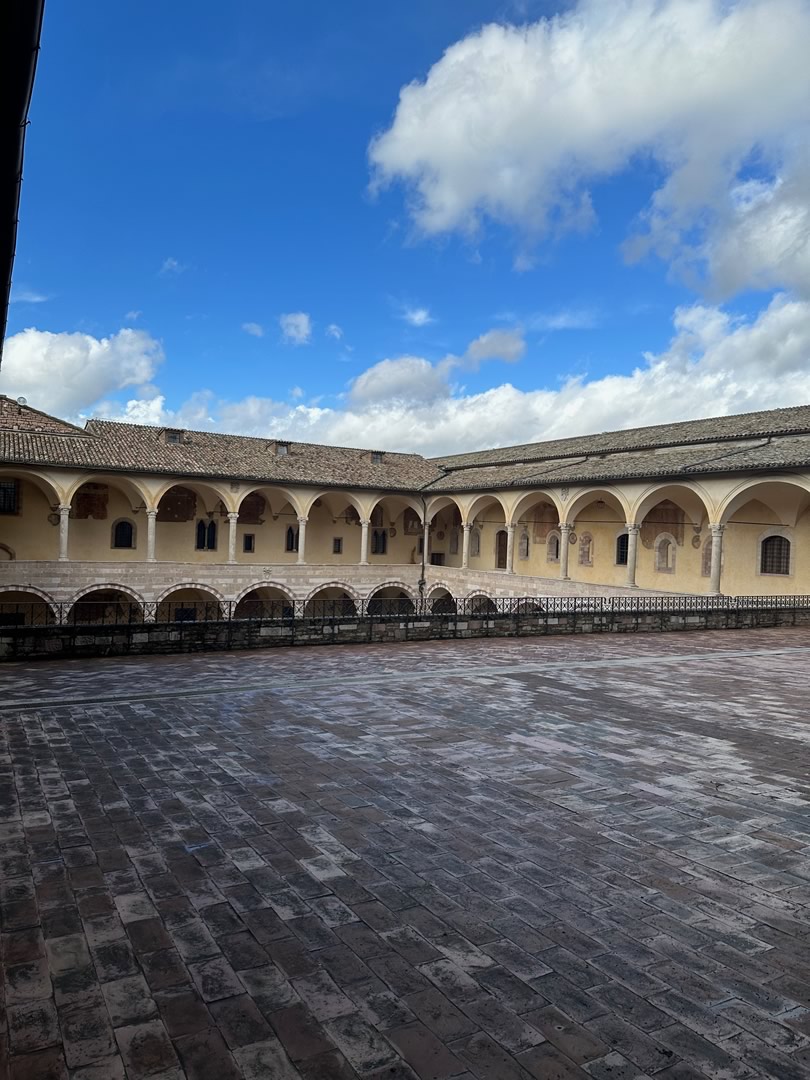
[250, 438]
[446, 462]
[74, 429]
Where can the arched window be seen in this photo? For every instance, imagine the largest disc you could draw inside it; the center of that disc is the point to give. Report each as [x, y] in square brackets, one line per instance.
[123, 535]
[553, 547]
[206, 536]
[379, 542]
[622, 543]
[665, 555]
[523, 545]
[475, 543]
[586, 550]
[775, 557]
[706, 559]
[200, 536]
[291, 543]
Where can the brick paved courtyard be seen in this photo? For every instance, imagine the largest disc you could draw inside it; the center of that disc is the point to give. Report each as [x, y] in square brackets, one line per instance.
[548, 858]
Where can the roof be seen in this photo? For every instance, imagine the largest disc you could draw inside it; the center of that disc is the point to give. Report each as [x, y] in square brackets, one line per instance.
[776, 440]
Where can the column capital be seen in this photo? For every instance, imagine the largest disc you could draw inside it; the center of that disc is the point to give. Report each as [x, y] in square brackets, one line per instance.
[64, 508]
[302, 520]
[365, 522]
[233, 517]
[566, 526]
[632, 527]
[466, 526]
[151, 513]
[511, 526]
[716, 528]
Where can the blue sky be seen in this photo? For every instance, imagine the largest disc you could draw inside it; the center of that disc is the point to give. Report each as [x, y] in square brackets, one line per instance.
[195, 175]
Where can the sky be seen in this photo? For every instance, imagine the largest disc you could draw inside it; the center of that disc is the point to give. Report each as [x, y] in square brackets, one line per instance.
[415, 226]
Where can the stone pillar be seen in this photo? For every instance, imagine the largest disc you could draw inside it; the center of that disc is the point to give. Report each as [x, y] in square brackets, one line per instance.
[717, 557]
[364, 524]
[64, 526]
[151, 520]
[510, 547]
[465, 545]
[632, 553]
[302, 540]
[426, 542]
[565, 540]
[232, 520]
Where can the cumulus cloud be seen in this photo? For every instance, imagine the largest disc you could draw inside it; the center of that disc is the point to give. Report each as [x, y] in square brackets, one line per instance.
[408, 379]
[505, 345]
[417, 316]
[253, 328]
[172, 266]
[334, 331]
[516, 123]
[65, 373]
[296, 328]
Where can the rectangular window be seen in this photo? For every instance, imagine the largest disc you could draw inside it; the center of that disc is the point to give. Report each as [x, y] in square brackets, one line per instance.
[174, 436]
[9, 496]
[282, 449]
[337, 545]
[249, 543]
[437, 558]
[376, 457]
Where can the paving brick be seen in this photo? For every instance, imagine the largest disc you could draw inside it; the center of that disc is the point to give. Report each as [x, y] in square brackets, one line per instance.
[128, 1000]
[32, 1026]
[429, 1056]
[41, 1065]
[300, 1033]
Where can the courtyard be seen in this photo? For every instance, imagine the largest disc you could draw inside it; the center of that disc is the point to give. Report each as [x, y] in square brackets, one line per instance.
[548, 858]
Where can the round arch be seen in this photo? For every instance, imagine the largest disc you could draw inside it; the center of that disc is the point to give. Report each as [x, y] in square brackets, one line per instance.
[264, 600]
[405, 501]
[268, 491]
[107, 586]
[394, 585]
[283, 589]
[393, 599]
[440, 600]
[54, 496]
[106, 604]
[585, 496]
[690, 497]
[210, 493]
[531, 498]
[480, 603]
[352, 593]
[480, 502]
[772, 493]
[183, 585]
[32, 591]
[330, 494]
[138, 496]
[332, 600]
[437, 503]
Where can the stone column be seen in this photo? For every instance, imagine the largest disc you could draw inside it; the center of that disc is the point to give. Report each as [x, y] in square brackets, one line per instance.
[364, 524]
[151, 520]
[426, 542]
[717, 557]
[632, 553]
[465, 545]
[232, 520]
[64, 526]
[302, 540]
[565, 540]
[510, 548]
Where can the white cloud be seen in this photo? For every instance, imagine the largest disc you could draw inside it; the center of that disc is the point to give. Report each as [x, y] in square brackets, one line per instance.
[565, 319]
[334, 331]
[417, 316]
[715, 364]
[296, 393]
[253, 328]
[23, 295]
[65, 373]
[133, 316]
[296, 328]
[505, 345]
[515, 122]
[172, 266]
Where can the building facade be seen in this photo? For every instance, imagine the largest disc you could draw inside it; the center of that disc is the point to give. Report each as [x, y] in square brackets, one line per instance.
[113, 513]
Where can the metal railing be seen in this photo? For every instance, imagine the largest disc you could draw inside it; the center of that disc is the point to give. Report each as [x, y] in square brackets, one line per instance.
[88, 613]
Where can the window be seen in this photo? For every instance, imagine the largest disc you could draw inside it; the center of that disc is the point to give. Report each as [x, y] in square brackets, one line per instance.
[437, 558]
[291, 542]
[123, 535]
[282, 449]
[377, 517]
[337, 545]
[665, 555]
[622, 543]
[706, 559]
[553, 547]
[475, 544]
[9, 496]
[174, 436]
[523, 545]
[206, 536]
[376, 457]
[379, 542]
[586, 550]
[775, 558]
[249, 543]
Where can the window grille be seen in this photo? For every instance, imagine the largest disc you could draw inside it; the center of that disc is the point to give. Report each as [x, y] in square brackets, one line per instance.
[379, 542]
[9, 496]
[622, 546]
[123, 535]
[249, 543]
[337, 545]
[206, 536]
[775, 555]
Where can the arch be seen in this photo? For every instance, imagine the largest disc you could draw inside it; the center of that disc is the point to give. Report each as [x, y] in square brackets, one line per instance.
[689, 496]
[665, 547]
[395, 585]
[531, 499]
[329, 494]
[480, 502]
[54, 496]
[264, 600]
[438, 503]
[209, 494]
[189, 602]
[480, 603]
[268, 491]
[334, 600]
[108, 586]
[441, 601]
[121, 530]
[352, 593]
[105, 604]
[553, 546]
[775, 553]
[276, 585]
[397, 497]
[391, 600]
[5, 549]
[215, 593]
[138, 496]
[583, 497]
[776, 494]
[44, 610]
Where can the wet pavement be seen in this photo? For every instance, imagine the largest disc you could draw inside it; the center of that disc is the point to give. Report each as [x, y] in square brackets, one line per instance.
[548, 858]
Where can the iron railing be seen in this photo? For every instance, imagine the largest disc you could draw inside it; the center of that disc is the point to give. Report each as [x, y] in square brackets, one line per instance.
[91, 613]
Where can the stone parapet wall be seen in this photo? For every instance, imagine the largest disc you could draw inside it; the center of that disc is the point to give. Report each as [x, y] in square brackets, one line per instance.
[63, 581]
[59, 642]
